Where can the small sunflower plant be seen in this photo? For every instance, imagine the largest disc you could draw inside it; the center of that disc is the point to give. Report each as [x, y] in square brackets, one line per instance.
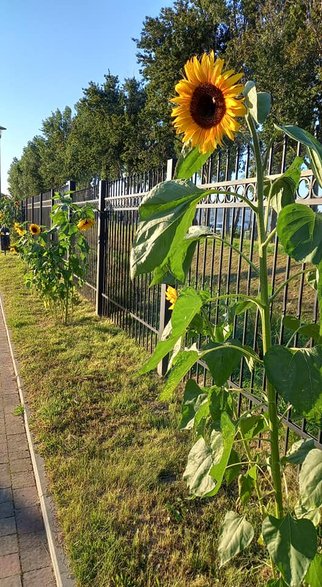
[57, 257]
[212, 105]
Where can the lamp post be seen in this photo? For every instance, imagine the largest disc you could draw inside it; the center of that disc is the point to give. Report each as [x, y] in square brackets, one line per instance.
[1, 129]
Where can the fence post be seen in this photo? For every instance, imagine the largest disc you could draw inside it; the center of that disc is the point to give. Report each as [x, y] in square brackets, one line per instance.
[40, 209]
[71, 186]
[165, 313]
[32, 209]
[101, 238]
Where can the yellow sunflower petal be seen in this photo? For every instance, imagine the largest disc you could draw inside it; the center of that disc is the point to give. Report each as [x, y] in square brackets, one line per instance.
[238, 110]
[227, 83]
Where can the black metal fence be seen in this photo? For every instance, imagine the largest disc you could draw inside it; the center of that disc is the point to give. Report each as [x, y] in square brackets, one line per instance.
[141, 310]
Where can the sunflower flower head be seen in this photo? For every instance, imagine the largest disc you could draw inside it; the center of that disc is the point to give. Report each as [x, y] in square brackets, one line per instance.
[18, 228]
[171, 295]
[35, 229]
[85, 224]
[207, 104]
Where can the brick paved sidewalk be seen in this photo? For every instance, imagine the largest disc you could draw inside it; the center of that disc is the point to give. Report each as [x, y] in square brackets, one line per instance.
[24, 555]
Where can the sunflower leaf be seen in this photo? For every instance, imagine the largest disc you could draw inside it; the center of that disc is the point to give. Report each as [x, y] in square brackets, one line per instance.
[283, 189]
[236, 535]
[166, 213]
[314, 147]
[190, 162]
[258, 103]
[188, 304]
[292, 546]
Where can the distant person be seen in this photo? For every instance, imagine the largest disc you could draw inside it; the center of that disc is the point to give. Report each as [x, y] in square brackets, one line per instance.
[4, 238]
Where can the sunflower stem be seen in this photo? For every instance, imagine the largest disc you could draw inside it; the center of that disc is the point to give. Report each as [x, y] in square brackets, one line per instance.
[265, 320]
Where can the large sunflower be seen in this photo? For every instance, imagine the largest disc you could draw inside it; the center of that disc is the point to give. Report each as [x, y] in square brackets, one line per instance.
[207, 104]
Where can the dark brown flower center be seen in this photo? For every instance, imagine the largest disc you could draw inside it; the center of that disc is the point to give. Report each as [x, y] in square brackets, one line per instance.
[207, 106]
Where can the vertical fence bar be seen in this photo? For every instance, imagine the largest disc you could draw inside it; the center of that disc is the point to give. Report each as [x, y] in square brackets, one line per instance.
[165, 313]
[40, 208]
[101, 236]
[52, 198]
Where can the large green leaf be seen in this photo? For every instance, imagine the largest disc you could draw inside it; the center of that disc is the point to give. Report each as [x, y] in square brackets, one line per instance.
[292, 546]
[252, 425]
[283, 188]
[314, 575]
[296, 375]
[299, 451]
[313, 146]
[207, 462]
[175, 267]
[246, 485]
[222, 360]
[308, 329]
[233, 468]
[190, 162]
[258, 103]
[193, 398]
[166, 213]
[221, 461]
[310, 480]
[199, 463]
[188, 304]
[236, 535]
[182, 363]
[300, 232]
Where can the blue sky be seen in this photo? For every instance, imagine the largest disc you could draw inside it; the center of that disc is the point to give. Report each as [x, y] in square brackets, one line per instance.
[51, 49]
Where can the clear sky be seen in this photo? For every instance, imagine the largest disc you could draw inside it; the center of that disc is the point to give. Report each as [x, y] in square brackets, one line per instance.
[51, 49]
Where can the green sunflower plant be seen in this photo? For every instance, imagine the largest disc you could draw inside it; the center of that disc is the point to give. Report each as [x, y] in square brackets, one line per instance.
[208, 108]
[57, 258]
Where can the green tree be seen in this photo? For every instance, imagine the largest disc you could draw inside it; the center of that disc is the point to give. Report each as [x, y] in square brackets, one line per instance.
[94, 145]
[55, 129]
[278, 44]
[15, 179]
[30, 164]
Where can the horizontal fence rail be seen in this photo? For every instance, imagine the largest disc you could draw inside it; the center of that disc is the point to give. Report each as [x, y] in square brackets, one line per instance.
[141, 310]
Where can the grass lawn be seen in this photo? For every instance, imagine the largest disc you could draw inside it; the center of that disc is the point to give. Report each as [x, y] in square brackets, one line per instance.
[114, 454]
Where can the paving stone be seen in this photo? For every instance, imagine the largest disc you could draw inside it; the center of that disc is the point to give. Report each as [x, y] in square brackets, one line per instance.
[8, 526]
[11, 420]
[17, 428]
[5, 494]
[19, 454]
[29, 520]
[20, 480]
[4, 457]
[6, 510]
[41, 578]
[11, 582]
[11, 399]
[9, 565]
[5, 479]
[34, 552]
[8, 544]
[26, 497]
[18, 442]
[20, 465]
